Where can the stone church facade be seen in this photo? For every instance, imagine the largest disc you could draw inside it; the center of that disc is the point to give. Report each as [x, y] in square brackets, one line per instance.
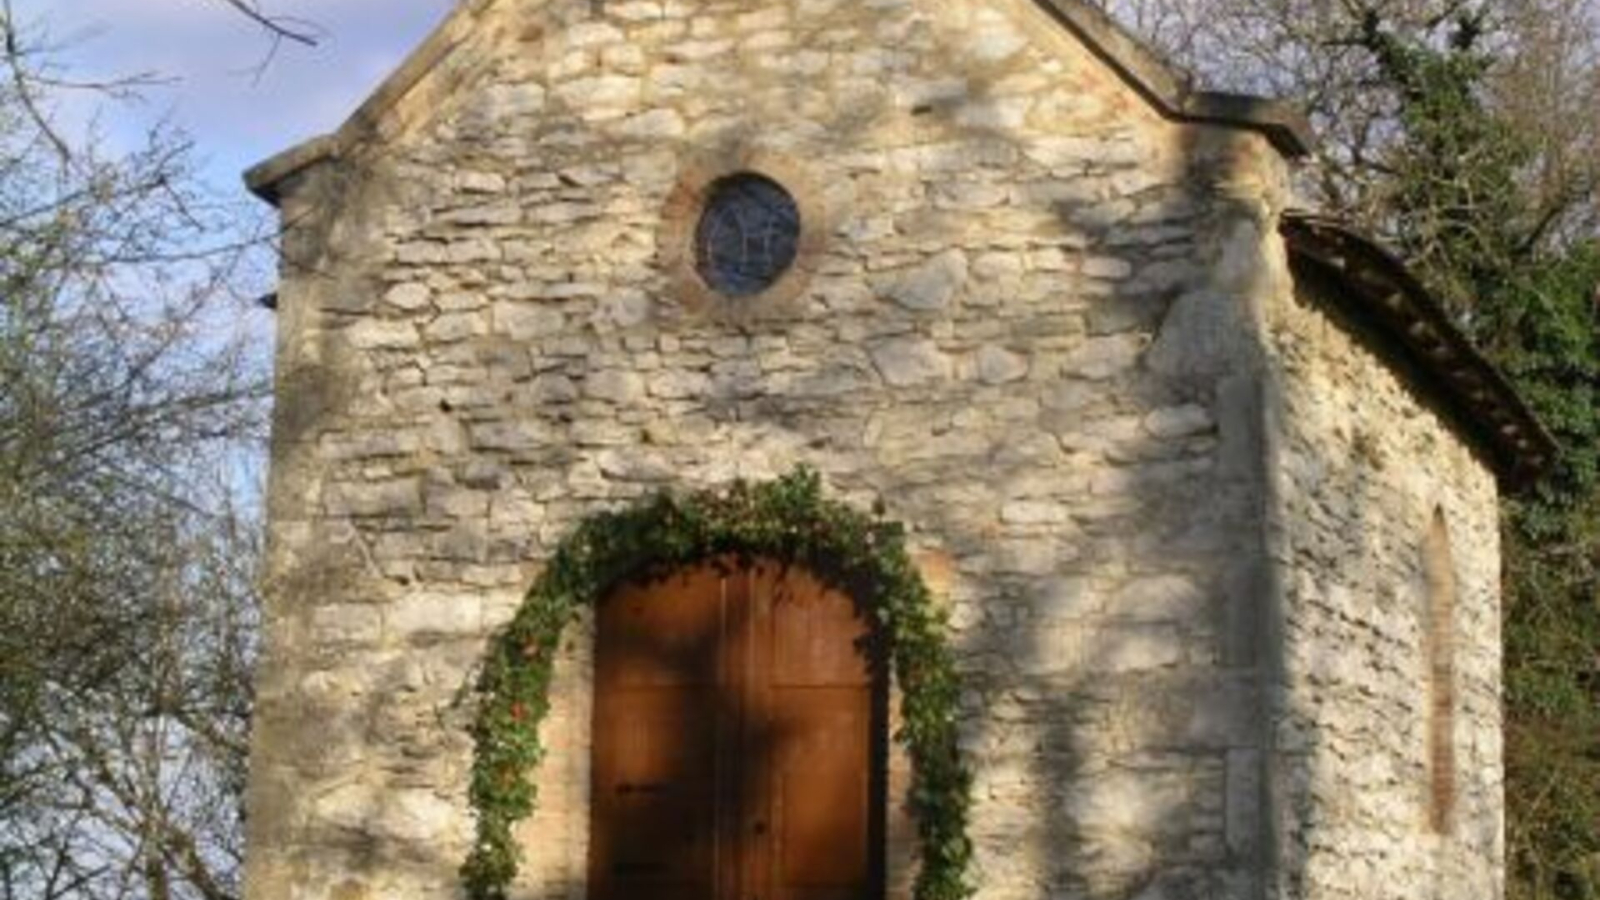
[1209, 487]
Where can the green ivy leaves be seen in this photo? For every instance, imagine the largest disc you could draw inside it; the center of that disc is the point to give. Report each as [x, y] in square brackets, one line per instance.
[787, 520]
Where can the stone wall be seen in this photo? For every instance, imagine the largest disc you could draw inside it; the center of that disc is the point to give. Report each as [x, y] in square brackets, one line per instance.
[1028, 334]
[1363, 466]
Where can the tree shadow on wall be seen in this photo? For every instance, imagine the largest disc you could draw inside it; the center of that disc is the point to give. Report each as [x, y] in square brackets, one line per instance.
[1085, 707]
[1104, 723]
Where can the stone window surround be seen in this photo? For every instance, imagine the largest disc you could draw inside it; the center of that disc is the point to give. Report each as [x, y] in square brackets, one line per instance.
[680, 221]
[1439, 634]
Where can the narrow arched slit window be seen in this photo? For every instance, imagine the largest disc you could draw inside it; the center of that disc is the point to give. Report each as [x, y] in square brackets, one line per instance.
[1439, 649]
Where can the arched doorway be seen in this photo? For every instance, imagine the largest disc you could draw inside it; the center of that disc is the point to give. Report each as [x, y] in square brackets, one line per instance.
[740, 738]
[663, 537]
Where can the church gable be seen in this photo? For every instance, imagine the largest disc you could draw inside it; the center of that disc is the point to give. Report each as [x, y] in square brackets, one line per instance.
[978, 46]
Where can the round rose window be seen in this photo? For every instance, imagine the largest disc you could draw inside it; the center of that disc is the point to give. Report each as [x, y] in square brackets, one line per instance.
[748, 236]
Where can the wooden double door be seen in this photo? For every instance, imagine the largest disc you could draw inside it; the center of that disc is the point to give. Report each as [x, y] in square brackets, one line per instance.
[739, 740]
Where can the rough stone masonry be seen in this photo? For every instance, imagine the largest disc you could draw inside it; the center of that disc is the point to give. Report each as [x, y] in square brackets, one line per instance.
[1175, 489]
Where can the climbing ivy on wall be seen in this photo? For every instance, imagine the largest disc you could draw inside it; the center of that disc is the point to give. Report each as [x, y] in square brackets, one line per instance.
[790, 521]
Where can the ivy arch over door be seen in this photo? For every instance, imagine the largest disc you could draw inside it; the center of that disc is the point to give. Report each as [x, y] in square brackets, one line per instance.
[787, 521]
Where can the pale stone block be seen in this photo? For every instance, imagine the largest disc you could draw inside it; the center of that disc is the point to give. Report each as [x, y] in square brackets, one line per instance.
[931, 286]
[599, 91]
[434, 615]
[349, 807]
[905, 362]
[417, 817]
[1054, 648]
[1140, 648]
[697, 51]
[553, 389]
[476, 250]
[480, 182]
[1033, 557]
[1027, 512]
[1146, 804]
[1179, 422]
[636, 10]
[1201, 337]
[421, 253]
[371, 445]
[459, 301]
[997, 365]
[379, 334]
[347, 624]
[411, 296]
[515, 99]
[589, 34]
[1108, 268]
[1058, 152]
[512, 436]
[1071, 397]
[635, 465]
[526, 321]
[993, 37]
[774, 17]
[1159, 598]
[615, 386]
[1068, 599]
[625, 309]
[453, 327]
[603, 434]
[1098, 359]
[399, 497]
[456, 503]
[995, 113]
[679, 385]
[654, 125]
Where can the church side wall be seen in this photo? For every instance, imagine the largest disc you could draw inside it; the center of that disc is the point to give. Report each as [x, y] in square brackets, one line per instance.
[1366, 808]
[1027, 334]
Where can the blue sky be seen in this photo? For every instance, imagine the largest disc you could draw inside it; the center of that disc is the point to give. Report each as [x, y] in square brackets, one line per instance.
[237, 111]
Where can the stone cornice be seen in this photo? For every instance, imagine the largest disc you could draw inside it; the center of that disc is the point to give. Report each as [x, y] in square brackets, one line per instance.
[1379, 290]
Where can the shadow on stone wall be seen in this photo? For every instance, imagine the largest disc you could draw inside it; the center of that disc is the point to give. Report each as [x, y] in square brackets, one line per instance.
[1119, 751]
[1106, 538]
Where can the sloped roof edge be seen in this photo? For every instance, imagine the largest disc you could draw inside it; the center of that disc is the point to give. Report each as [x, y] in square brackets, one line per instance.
[1171, 91]
[264, 178]
[1383, 292]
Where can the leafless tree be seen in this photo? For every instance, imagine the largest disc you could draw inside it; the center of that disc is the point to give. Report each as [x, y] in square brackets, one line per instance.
[1547, 80]
[129, 399]
[285, 28]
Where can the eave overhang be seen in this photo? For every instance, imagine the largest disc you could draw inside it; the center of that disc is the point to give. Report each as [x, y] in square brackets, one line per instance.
[1380, 291]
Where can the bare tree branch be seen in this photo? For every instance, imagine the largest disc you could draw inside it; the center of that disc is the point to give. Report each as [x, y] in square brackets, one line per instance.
[280, 27]
[126, 570]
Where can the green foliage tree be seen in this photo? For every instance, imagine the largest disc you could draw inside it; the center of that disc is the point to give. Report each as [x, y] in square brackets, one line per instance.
[1464, 132]
[1545, 334]
[1462, 210]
